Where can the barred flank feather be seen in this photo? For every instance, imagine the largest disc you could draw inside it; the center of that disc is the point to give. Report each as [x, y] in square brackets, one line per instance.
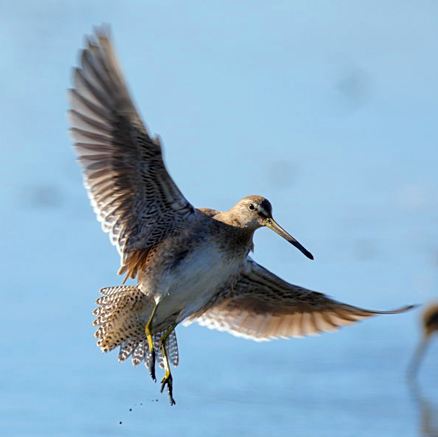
[121, 316]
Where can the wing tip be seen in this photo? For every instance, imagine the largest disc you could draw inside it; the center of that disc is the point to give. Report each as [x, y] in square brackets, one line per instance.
[400, 310]
[409, 307]
[103, 30]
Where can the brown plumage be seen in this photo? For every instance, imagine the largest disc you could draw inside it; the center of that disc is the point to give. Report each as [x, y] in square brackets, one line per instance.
[133, 195]
[190, 264]
[261, 306]
[429, 324]
[120, 319]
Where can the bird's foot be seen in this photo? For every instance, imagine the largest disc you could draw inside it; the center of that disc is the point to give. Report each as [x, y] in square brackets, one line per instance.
[168, 380]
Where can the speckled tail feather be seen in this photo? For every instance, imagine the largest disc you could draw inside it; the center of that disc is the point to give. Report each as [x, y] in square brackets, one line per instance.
[121, 316]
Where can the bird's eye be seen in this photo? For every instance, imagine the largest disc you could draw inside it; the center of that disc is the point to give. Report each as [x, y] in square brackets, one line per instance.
[251, 206]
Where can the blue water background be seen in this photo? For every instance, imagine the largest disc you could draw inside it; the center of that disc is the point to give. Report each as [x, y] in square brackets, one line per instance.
[330, 110]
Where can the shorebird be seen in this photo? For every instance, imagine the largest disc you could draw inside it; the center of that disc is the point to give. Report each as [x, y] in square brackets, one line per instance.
[191, 264]
[429, 321]
[427, 409]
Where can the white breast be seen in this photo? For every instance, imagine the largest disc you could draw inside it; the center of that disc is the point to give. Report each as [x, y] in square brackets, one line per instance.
[190, 285]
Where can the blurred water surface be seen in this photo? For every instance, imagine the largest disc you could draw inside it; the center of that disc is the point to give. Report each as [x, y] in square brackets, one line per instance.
[327, 108]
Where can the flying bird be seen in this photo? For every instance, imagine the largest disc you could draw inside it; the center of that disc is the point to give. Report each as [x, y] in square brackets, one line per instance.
[190, 264]
[429, 321]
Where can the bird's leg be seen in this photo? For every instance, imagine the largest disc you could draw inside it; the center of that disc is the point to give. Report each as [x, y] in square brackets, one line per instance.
[150, 340]
[418, 355]
[167, 379]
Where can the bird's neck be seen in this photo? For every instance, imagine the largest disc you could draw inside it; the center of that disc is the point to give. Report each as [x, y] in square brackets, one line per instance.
[238, 234]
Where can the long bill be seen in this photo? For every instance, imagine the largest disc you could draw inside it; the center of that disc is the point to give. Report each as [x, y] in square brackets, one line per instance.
[273, 225]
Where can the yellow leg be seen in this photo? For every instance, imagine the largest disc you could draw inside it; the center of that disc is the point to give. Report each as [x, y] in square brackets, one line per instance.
[150, 340]
[167, 379]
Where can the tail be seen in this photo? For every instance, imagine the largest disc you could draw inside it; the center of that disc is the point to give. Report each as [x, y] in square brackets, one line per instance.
[121, 316]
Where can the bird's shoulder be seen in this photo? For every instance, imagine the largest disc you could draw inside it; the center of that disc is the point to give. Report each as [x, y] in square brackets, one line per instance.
[209, 212]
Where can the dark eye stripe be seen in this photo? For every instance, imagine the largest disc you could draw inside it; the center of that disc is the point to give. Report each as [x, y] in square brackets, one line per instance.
[266, 207]
[262, 211]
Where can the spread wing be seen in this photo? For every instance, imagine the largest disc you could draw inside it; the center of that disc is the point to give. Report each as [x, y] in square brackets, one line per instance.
[132, 194]
[261, 306]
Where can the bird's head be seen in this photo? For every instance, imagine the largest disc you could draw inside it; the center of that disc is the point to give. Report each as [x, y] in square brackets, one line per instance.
[253, 212]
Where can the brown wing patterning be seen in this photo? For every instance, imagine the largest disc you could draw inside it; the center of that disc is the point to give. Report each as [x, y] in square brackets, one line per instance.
[262, 306]
[131, 191]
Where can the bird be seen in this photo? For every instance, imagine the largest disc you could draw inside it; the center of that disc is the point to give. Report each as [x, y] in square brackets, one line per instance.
[429, 322]
[427, 409]
[189, 264]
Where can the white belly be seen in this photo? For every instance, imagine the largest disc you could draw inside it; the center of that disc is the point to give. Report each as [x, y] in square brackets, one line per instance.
[190, 285]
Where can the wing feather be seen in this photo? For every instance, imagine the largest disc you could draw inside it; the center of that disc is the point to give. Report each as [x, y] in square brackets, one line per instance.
[262, 306]
[132, 194]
